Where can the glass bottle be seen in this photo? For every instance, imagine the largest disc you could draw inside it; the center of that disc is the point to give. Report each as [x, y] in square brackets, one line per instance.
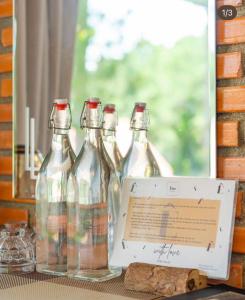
[51, 195]
[139, 160]
[88, 205]
[109, 136]
[114, 159]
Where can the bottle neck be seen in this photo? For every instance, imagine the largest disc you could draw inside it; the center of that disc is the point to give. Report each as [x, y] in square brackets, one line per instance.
[60, 131]
[93, 135]
[140, 136]
[60, 140]
[109, 133]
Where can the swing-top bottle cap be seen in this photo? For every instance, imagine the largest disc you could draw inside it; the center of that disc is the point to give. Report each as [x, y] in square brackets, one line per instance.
[61, 104]
[109, 108]
[91, 116]
[93, 102]
[140, 107]
[140, 117]
[60, 117]
[109, 117]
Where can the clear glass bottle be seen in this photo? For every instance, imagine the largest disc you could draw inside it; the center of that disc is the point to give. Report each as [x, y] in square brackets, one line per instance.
[51, 195]
[139, 160]
[109, 136]
[115, 163]
[88, 205]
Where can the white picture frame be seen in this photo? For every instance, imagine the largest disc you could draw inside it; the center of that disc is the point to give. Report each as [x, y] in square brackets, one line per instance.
[213, 261]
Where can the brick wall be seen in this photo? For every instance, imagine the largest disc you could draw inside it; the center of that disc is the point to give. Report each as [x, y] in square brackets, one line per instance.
[231, 121]
[230, 125]
[9, 210]
[5, 93]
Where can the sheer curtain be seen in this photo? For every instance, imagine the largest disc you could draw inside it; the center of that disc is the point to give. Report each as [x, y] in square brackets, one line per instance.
[45, 38]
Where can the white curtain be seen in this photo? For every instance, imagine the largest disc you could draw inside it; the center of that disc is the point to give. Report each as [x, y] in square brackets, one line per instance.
[43, 61]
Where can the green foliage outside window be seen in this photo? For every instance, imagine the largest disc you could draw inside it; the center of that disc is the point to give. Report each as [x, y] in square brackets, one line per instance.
[170, 80]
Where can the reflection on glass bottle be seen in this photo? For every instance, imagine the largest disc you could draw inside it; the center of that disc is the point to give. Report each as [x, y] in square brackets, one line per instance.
[88, 205]
[51, 195]
[114, 159]
[140, 161]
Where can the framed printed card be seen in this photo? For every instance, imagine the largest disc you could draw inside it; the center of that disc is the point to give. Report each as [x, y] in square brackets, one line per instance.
[177, 222]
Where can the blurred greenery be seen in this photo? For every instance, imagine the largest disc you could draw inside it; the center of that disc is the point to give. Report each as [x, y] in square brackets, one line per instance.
[172, 81]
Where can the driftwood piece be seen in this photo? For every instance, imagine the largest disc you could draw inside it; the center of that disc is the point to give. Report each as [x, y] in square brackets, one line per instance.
[203, 282]
[162, 281]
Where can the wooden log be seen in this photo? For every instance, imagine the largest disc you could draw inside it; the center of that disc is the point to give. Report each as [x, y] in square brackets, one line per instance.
[203, 282]
[162, 281]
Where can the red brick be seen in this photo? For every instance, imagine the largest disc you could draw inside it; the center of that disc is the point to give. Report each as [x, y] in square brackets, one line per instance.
[229, 65]
[227, 134]
[231, 168]
[5, 112]
[6, 63]
[7, 37]
[229, 2]
[239, 204]
[6, 139]
[6, 8]
[239, 240]
[12, 215]
[5, 165]
[6, 190]
[231, 99]
[6, 88]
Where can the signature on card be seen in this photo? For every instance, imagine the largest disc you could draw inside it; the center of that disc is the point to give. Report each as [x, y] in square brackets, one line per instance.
[167, 251]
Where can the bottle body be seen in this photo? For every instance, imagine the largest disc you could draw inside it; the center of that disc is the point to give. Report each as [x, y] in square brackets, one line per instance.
[51, 207]
[51, 195]
[140, 161]
[89, 205]
[114, 159]
[114, 193]
[109, 137]
[88, 214]
[111, 147]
